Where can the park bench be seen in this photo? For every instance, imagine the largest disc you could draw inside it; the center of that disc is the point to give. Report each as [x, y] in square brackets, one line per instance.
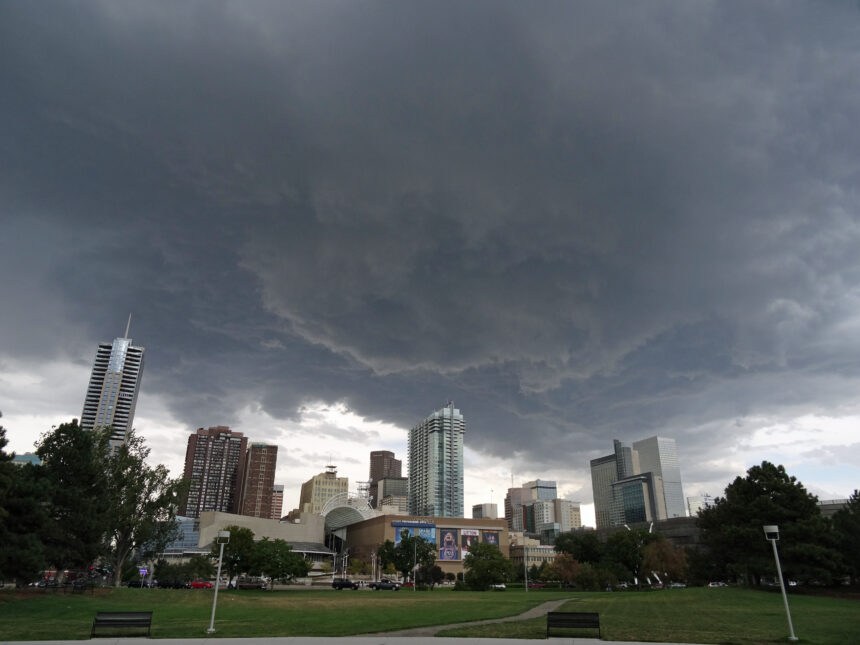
[114, 619]
[572, 620]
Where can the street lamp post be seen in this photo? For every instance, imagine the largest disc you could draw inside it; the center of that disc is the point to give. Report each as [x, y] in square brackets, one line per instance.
[525, 567]
[771, 534]
[223, 538]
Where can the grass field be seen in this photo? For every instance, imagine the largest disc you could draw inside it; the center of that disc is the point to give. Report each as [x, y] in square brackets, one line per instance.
[695, 615]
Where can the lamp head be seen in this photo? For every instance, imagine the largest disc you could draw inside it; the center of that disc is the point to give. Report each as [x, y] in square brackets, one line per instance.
[223, 537]
[771, 532]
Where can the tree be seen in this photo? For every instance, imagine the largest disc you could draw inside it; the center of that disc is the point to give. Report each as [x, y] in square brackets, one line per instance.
[358, 567]
[430, 575]
[74, 473]
[276, 560]
[732, 529]
[534, 573]
[407, 553]
[237, 553]
[564, 568]
[486, 565]
[625, 550]
[141, 504]
[667, 560]
[846, 524]
[23, 500]
[582, 545]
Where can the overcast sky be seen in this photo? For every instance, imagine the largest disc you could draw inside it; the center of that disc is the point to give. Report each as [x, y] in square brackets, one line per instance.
[578, 221]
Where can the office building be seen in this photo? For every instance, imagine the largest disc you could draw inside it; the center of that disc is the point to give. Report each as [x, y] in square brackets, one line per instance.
[321, 488]
[698, 503]
[382, 464]
[541, 489]
[277, 502]
[214, 464]
[258, 481]
[436, 464]
[637, 483]
[514, 507]
[659, 455]
[113, 388]
[485, 511]
[568, 515]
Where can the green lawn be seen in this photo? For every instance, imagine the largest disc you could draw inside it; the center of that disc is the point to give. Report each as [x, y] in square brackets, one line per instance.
[696, 615]
[184, 613]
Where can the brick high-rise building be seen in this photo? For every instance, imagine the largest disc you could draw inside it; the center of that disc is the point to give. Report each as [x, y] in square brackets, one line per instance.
[215, 463]
[382, 465]
[258, 481]
[277, 502]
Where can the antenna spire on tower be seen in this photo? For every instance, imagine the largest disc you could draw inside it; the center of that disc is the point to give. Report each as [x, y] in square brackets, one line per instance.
[128, 326]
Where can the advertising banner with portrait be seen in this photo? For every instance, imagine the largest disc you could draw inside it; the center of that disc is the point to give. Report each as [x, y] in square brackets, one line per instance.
[414, 530]
[449, 553]
[468, 537]
[449, 538]
[491, 537]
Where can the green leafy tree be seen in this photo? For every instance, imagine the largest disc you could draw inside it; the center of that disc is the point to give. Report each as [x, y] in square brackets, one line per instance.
[276, 560]
[200, 567]
[431, 575]
[583, 546]
[486, 565]
[23, 518]
[237, 553]
[450, 577]
[141, 503]
[534, 573]
[846, 523]
[407, 553]
[73, 469]
[732, 529]
[625, 551]
[358, 567]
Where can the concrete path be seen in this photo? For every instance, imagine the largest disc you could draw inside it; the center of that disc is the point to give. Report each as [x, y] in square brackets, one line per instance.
[534, 612]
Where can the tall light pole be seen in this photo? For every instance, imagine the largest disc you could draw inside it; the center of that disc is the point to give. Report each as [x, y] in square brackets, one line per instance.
[525, 567]
[223, 538]
[771, 534]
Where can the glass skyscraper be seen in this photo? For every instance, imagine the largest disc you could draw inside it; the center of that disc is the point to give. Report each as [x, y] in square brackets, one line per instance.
[436, 464]
[113, 388]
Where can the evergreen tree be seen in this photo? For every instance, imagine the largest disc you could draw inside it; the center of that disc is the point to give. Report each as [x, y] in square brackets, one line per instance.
[732, 529]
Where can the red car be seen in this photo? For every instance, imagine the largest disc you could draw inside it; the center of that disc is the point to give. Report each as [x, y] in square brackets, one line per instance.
[200, 584]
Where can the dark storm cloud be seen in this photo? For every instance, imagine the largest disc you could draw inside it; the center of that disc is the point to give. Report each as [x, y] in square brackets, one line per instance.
[579, 222]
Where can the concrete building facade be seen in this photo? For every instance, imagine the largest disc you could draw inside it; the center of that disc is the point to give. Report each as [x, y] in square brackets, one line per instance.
[320, 488]
[436, 464]
[383, 464]
[485, 511]
[277, 502]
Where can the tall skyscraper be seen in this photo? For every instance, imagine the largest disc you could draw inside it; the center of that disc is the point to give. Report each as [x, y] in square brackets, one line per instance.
[258, 480]
[542, 489]
[382, 465]
[436, 464]
[113, 388]
[215, 463]
[637, 483]
[659, 455]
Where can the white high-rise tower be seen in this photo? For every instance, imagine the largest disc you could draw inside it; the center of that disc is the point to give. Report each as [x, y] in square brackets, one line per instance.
[436, 464]
[114, 386]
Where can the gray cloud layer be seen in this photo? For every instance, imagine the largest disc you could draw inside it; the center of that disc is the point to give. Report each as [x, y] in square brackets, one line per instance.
[580, 221]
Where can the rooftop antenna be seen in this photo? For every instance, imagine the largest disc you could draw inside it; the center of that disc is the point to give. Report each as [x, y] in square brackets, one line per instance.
[128, 326]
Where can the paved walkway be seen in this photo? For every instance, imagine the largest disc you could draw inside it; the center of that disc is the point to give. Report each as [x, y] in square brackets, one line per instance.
[534, 612]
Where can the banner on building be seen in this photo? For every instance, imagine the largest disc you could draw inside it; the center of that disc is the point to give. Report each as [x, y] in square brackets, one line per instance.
[411, 530]
[449, 553]
[468, 537]
[449, 538]
[491, 537]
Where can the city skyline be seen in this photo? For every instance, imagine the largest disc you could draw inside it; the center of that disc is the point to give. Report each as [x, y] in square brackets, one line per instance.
[580, 222]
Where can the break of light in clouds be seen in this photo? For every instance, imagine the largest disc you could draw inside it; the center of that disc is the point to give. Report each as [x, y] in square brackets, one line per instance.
[579, 222]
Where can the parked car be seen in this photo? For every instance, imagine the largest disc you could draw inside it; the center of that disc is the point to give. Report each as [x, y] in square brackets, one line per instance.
[677, 585]
[139, 584]
[383, 584]
[199, 584]
[537, 585]
[343, 583]
[713, 585]
[499, 587]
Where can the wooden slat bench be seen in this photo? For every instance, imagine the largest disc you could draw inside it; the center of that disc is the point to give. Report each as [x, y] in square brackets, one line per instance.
[572, 620]
[115, 619]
